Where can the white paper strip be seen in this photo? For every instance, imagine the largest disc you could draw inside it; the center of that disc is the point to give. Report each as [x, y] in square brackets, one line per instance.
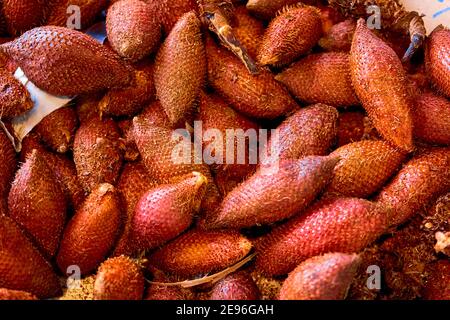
[436, 11]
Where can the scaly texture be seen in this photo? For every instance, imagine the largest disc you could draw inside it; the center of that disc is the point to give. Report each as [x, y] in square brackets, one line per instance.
[62, 167]
[168, 155]
[236, 286]
[169, 12]
[197, 253]
[132, 99]
[97, 152]
[421, 180]
[364, 167]
[431, 117]
[326, 277]
[132, 30]
[345, 225]
[166, 211]
[275, 192]
[133, 183]
[15, 99]
[215, 114]
[119, 278]
[340, 36]
[38, 204]
[380, 83]
[267, 9]
[7, 294]
[248, 30]
[294, 32]
[89, 11]
[258, 96]
[22, 267]
[74, 62]
[437, 56]
[180, 68]
[57, 130]
[23, 15]
[310, 131]
[8, 165]
[92, 232]
[321, 78]
[160, 292]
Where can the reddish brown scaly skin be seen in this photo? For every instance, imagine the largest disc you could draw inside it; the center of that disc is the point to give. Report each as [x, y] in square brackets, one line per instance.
[354, 126]
[321, 78]
[62, 167]
[437, 286]
[436, 57]
[15, 99]
[126, 129]
[267, 9]
[119, 278]
[132, 29]
[257, 96]
[332, 225]
[236, 286]
[131, 100]
[133, 183]
[248, 30]
[164, 212]
[326, 277]
[169, 12]
[294, 32]
[97, 152]
[7, 294]
[8, 165]
[57, 130]
[23, 15]
[156, 147]
[340, 36]
[22, 267]
[216, 114]
[74, 62]
[421, 180]
[159, 292]
[180, 68]
[92, 232]
[431, 117]
[38, 204]
[309, 131]
[364, 167]
[275, 193]
[89, 11]
[380, 83]
[198, 252]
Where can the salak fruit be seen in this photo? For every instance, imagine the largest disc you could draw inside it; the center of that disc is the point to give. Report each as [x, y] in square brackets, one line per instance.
[381, 85]
[294, 32]
[436, 59]
[132, 29]
[321, 78]
[326, 277]
[38, 204]
[275, 192]
[166, 211]
[74, 62]
[180, 68]
[236, 286]
[22, 267]
[345, 225]
[199, 252]
[91, 233]
[15, 99]
[119, 278]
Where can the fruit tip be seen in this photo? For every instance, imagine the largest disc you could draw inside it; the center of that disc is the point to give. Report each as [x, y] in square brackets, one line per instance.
[104, 188]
